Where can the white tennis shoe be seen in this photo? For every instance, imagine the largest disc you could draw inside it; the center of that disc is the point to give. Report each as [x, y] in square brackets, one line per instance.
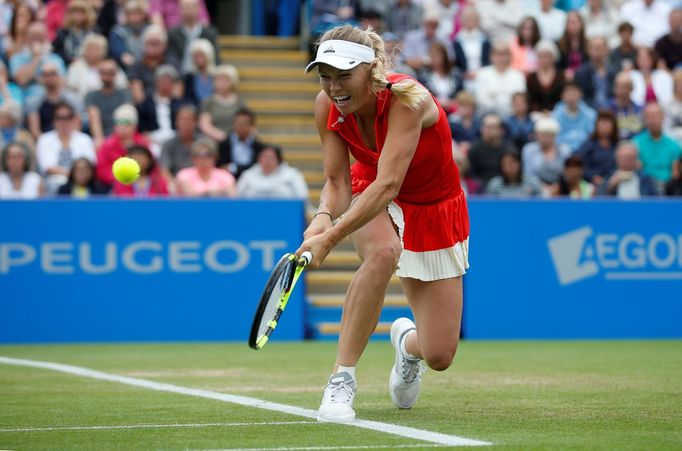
[337, 401]
[406, 375]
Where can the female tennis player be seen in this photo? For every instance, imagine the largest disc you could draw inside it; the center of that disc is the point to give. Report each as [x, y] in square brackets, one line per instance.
[400, 202]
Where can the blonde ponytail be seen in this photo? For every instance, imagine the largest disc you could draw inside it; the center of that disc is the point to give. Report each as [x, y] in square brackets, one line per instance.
[408, 91]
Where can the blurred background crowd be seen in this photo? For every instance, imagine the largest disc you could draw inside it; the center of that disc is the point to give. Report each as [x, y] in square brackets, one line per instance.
[576, 98]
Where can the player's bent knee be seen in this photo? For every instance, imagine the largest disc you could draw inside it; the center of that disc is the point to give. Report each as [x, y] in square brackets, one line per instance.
[441, 359]
[386, 256]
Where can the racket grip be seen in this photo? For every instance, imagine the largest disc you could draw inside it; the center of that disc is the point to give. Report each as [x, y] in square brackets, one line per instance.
[306, 257]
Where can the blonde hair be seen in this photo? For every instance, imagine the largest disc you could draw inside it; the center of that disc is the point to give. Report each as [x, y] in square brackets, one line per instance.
[204, 46]
[90, 14]
[408, 91]
[229, 71]
[98, 40]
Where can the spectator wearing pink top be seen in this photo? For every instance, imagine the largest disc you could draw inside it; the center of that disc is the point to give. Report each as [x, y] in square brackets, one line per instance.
[203, 178]
[167, 13]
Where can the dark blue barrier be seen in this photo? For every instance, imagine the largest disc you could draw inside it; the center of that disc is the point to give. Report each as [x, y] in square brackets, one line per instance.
[567, 269]
[120, 270]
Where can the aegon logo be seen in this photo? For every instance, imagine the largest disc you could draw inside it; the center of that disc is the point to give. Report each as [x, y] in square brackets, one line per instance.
[141, 257]
[581, 254]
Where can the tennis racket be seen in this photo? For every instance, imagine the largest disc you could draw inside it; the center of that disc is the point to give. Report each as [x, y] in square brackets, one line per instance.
[279, 286]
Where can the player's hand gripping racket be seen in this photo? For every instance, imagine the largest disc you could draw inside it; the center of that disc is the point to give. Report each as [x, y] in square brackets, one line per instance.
[279, 286]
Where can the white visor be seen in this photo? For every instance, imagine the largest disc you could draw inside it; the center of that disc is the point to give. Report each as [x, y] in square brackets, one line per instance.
[342, 55]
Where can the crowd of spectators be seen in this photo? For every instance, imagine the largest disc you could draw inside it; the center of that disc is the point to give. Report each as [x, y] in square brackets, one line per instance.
[85, 82]
[545, 98]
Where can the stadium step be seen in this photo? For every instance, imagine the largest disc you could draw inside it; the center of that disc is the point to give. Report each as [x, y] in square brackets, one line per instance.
[249, 73]
[241, 42]
[335, 282]
[336, 300]
[265, 58]
[279, 107]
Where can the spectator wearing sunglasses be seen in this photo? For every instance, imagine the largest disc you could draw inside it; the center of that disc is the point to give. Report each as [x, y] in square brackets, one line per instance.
[203, 178]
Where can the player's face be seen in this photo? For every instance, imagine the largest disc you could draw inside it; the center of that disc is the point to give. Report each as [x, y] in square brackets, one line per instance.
[348, 89]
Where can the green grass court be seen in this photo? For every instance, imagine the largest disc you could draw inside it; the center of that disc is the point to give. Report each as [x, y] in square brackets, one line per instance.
[622, 395]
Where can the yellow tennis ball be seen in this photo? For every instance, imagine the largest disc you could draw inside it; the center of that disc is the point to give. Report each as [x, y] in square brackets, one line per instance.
[126, 170]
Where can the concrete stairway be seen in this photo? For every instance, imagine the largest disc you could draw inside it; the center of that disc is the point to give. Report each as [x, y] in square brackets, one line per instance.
[277, 89]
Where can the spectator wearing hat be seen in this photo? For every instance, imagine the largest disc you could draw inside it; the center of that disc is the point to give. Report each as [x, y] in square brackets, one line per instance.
[271, 177]
[181, 37]
[17, 181]
[157, 111]
[576, 119]
[150, 183]
[101, 103]
[628, 181]
[203, 178]
[56, 150]
[544, 158]
[125, 135]
[238, 152]
[126, 39]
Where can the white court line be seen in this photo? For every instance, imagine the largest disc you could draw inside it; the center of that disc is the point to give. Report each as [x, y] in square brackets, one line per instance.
[402, 431]
[155, 426]
[321, 448]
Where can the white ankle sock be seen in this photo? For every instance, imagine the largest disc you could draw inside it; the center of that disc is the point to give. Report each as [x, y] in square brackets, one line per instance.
[404, 350]
[348, 369]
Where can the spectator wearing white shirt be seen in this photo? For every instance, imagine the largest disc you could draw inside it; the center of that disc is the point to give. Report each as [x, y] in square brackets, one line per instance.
[649, 83]
[495, 84]
[57, 149]
[499, 18]
[18, 181]
[472, 47]
[551, 20]
[601, 20]
[650, 19]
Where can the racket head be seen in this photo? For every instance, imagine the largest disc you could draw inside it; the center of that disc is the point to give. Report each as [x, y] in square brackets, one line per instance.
[270, 306]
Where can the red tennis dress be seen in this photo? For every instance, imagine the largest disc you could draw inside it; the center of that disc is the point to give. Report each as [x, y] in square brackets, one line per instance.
[430, 209]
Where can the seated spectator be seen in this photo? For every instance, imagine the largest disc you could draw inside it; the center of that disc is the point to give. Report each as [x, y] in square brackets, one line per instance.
[622, 58]
[9, 91]
[628, 113]
[126, 39]
[416, 43]
[56, 150]
[448, 11]
[83, 75]
[572, 45]
[102, 103]
[394, 55]
[238, 152]
[499, 18]
[17, 39]
[649, 18]
[11, 129]
[544, 158]
[80, 21]
[496, 83]
[545, 85]
[576, 119]
[125, 135]
[472, 47]
[326, 14]
[519, 125]
[628, 181]
[180, 37]
[203, 178]
[271, 177]
[658, 151]
[199, 81]
[41, 108]
[484, 155]
[218, 110]
[649, 83]
[594, 77]
[551, 20]
[403, 16]
[141, 73]
[601, 20]
[599, 153]
[82, 182]
[522, 46]
[150, 183]
[572, 182]
[168, 13]
[673, 110]
[464, 124]
[674, 186]
[669, 47]
[17, 181]
[441, 77]
[26, 65]
[512, 183]
[469, 184]
[175, 153]
[157, 112]
[55, 12]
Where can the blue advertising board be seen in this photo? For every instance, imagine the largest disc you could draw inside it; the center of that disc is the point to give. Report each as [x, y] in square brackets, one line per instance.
[136, 270]
[572, 269]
